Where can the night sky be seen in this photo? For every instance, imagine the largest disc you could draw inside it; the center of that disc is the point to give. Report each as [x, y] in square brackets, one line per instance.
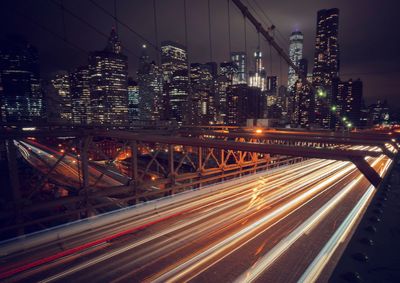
[369, 34]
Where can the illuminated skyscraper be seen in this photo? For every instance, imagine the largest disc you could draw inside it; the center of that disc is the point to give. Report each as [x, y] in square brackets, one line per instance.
[20, 90]
[80, 93]
[150, 86]
[303, 103]
[109, 83]
[244, 103]
[176, 83]
[133, 101]
[347, 102]
[258, 78]
[239, 58]
[326, 63]
[61, 83]
[295, 54]
[202, 102]
[272, 91]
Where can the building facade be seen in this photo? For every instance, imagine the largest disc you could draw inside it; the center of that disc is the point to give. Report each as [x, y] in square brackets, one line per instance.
[258, 77]
[243, 102]
[150, 84]
[295, 54]
[133, 101]
[109, 84]
[326, 64]
[347, 102]
[240, 60]
[21, 97]
[176, 81]
[80, 94]
[61, 83]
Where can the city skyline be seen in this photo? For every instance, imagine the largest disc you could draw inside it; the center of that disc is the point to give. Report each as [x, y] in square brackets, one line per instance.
[375, 68]
[177, 140]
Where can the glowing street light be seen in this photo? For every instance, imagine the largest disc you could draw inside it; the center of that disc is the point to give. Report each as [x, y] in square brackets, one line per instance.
[349, 125]
[258, 131]
[344, 119]
[333, 108]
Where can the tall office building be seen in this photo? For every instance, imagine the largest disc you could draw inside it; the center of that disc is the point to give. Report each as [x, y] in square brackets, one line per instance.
[243, 102]
[133, 101]
[176, 82]
[295, 54]
[303, 66]
[326, 63]
[20, 90]
[150, 84]
[80, 94]
[379, 113]
[202, 107]
[239, 58]
[227, 75]
[258, 78]
[229, 70]
[109, 84]
[271, 94]
[303, 104]
[61, 83]
[347, 102]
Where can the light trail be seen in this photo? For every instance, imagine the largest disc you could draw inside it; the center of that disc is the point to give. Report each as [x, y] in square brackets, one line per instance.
[266, 261]
[178, 272]
[201, 235]
[321, 260]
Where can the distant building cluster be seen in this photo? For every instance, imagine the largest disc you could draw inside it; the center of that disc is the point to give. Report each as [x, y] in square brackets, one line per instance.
[102, 93]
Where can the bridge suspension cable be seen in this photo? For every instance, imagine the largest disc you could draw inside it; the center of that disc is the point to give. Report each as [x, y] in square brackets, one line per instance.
[269, 38]
[229, 29]
[91, 26]
[156, 29]
[105, 11]
[209, 29]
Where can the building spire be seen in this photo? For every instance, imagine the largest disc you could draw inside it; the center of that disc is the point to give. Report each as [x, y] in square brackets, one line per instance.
[114, 45]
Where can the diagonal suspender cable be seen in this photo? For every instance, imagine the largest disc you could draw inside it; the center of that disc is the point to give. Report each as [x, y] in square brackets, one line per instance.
[124, 24]
[229, 29]
[115, 16]
[209, 30]
[156, 29]
[82, 20]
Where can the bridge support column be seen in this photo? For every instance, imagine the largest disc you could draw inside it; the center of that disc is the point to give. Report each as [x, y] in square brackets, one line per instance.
[368, 171]
[387, 152]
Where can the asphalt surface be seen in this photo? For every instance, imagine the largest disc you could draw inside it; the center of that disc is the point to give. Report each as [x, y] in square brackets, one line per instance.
[282, 227]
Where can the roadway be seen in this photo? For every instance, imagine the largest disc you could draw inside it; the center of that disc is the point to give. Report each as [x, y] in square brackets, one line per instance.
[285, 226]
[67, 171]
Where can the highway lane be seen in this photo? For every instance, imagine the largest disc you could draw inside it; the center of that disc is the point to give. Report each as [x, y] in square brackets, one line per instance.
[67, 171]
[230, 193]
[217, 238]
